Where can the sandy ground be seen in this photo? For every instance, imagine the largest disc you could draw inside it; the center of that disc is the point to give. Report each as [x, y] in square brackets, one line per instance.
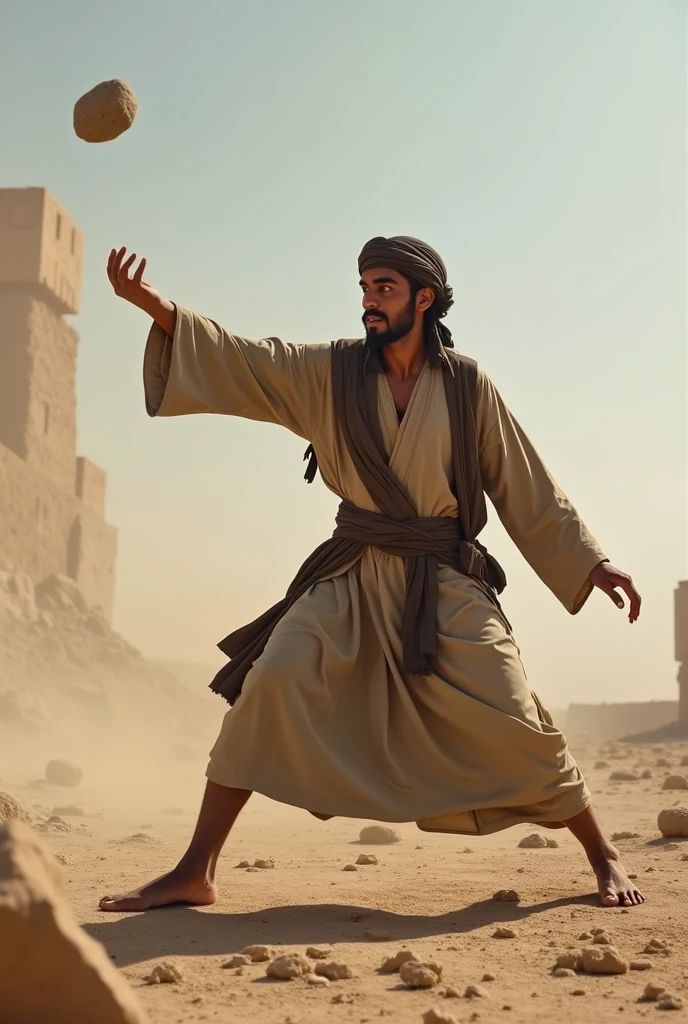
[430, 893]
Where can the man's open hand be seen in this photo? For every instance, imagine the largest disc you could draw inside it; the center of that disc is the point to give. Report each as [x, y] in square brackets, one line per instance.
[607, 578]
[134, 289]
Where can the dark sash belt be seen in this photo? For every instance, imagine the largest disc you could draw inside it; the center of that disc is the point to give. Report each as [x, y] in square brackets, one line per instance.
[423, 543]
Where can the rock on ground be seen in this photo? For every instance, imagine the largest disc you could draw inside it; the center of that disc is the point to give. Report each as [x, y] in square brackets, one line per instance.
[673, 821]
[507, 896]
[288, 966]
[52, 971]
[603, 960]
[675, 782]
[103, 113]
[435, 1016]
[259, 954]
[237, 961]
[334, 971]
[420, 974]
[533, 842]
[392, 964]
[379, 835]
[571, 961]
[165, 973]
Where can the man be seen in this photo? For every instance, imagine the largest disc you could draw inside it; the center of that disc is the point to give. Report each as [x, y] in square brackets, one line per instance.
[387, 685]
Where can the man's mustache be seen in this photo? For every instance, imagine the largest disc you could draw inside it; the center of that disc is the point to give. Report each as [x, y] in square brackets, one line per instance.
[378, 316]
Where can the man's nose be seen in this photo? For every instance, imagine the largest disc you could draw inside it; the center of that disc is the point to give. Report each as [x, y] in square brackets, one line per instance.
[370, 302]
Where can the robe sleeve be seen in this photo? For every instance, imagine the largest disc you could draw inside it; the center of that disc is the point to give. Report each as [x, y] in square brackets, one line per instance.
[204, 368]
[536, 513]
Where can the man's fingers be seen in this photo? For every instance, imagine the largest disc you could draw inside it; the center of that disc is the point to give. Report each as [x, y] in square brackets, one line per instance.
[625, 583]
[123, 276]
[139, 271]
[634, 599]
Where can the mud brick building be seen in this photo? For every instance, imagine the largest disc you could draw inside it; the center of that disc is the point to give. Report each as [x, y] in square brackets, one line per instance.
[52, 501]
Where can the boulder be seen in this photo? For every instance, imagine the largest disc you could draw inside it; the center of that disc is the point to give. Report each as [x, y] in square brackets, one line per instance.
[673, 821]
[105, 112]
[675, 782]
[52, 971]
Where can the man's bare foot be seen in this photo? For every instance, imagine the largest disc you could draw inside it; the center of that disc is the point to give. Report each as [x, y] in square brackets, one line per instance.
[616, 888]
[174, 887]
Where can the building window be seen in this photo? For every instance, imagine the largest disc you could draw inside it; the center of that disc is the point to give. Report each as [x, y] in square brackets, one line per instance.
[58, 226]
[46, 417]
[72, 244]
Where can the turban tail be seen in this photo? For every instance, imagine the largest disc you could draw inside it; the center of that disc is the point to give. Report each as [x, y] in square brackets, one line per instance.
[419, 261]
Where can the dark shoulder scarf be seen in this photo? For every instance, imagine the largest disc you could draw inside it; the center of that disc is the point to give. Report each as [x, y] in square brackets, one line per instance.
[423, 542]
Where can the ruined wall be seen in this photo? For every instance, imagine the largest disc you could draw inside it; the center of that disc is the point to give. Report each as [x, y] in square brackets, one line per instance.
[44, 529]
[52, 505]
[38, 385]
[95, 543]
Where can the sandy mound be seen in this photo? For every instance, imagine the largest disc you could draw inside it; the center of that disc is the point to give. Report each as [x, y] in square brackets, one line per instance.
[103, 113]
[51, 970]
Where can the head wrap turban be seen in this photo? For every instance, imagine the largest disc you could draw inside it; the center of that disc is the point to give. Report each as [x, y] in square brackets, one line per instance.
[419, 261]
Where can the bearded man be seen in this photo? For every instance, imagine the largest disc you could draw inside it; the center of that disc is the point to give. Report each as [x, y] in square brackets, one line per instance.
[387, 684]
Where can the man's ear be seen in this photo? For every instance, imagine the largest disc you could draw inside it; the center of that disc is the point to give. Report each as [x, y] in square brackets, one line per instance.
[424, 299]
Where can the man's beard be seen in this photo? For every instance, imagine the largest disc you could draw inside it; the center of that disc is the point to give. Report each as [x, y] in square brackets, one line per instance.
[378, 337]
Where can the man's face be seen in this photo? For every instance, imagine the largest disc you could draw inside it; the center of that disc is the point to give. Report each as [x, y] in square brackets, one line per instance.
[389, 311]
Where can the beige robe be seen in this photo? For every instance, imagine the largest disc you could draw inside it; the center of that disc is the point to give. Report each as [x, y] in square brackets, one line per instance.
[327, 720]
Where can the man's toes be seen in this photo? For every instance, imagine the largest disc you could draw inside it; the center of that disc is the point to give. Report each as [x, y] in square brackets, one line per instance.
[610, 899]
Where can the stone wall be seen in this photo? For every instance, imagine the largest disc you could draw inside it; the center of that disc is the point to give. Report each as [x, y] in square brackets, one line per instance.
[38, 385]
[45, 529]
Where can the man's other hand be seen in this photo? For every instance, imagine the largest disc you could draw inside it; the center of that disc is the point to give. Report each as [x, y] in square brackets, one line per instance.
[607, 578]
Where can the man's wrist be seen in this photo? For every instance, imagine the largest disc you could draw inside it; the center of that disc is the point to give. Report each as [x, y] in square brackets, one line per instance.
[162, 311]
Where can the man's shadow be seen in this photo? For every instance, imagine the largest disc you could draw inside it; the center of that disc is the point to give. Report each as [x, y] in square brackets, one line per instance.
[187, 931]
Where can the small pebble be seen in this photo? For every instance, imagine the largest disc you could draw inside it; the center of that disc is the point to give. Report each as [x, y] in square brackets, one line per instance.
[165, 973]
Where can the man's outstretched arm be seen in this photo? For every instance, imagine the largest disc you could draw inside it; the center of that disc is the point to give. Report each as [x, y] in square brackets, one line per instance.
[193, 365]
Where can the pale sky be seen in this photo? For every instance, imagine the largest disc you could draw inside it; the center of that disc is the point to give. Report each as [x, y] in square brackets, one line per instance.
[539, 145]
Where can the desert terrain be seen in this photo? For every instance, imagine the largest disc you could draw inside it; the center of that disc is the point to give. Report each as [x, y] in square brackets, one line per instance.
[431, 894]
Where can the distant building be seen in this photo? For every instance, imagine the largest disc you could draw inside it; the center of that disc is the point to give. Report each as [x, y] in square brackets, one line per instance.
[52, 502]
[681, 647]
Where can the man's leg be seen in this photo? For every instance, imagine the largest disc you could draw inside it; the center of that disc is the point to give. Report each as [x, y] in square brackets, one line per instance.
[193, 879]
[616, 888]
